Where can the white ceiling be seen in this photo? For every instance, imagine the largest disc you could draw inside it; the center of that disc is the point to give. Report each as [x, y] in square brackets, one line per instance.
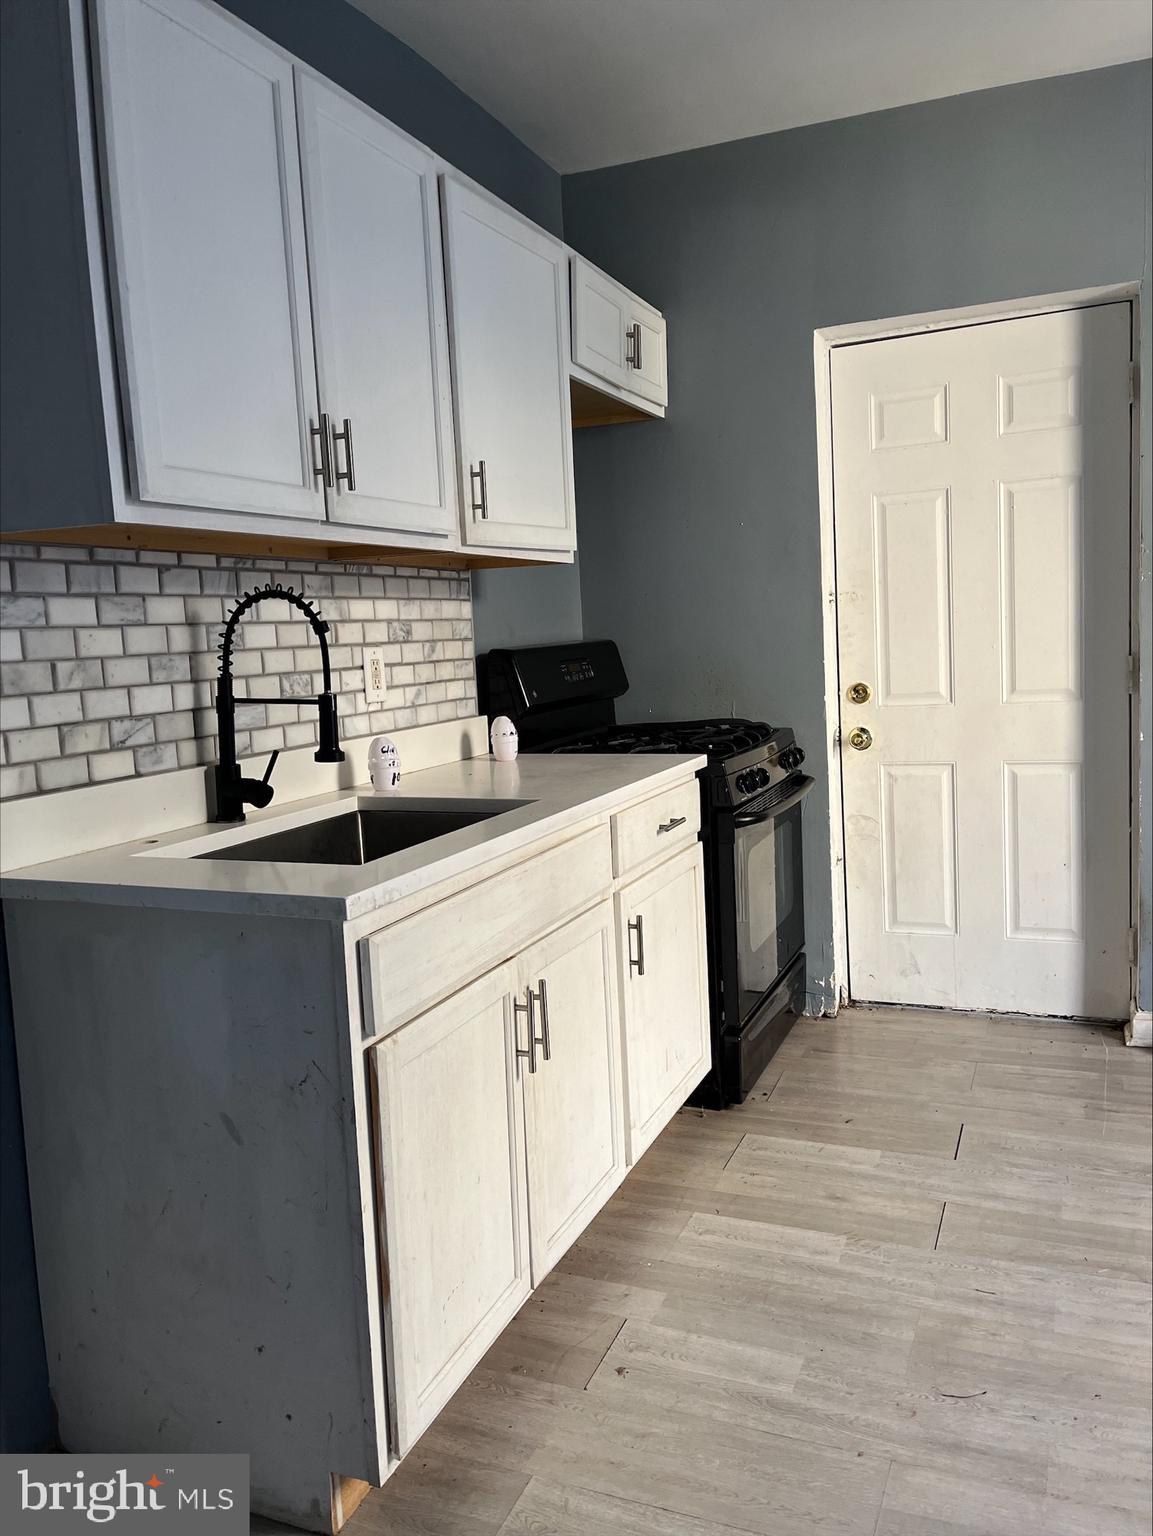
[587, 83]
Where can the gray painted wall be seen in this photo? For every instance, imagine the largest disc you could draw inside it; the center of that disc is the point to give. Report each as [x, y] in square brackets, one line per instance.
[699, 537]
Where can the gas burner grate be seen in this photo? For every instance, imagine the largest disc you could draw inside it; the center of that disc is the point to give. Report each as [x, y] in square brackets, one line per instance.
[717, 739]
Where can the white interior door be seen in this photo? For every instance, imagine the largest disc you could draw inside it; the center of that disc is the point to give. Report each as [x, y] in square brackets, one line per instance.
[378, 301]
[508, 313]
[982, 532]
[211, 283]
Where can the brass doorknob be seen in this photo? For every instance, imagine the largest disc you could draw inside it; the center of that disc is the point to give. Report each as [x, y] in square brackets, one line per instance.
[860, 739]
[858, 693]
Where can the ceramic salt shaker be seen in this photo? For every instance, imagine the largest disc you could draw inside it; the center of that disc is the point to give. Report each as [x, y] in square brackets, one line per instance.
[504, 739]
[384, 763]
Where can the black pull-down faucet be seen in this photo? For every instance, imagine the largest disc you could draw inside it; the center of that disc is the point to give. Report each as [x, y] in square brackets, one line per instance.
[233, 792]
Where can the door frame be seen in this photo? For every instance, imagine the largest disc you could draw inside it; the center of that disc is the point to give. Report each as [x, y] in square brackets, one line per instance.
[825, 340]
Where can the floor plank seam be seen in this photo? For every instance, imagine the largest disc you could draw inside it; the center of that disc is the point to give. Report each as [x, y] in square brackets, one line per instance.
[605, 1356]
[884, 1491]
[940, 1224]
[957, 1148]
[665, 1509]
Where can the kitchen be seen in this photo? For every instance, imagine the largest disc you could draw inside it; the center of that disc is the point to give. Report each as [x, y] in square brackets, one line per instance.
[615, 394]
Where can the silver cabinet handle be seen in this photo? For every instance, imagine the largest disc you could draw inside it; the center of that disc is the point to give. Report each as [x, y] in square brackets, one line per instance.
[633, 346]
[637, 926]
[670, 826]
[477, 475]
[541, 995]
[527, 1009]
[349, 471]
[319, 435]
[637, 346]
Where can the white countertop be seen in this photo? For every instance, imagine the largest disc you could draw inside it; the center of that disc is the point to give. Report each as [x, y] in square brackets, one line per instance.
[166, 872]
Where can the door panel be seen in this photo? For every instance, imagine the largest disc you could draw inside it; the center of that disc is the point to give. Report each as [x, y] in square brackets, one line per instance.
[919, 847]
[1041, 590]
[914, 598]
[599, 322]
[573, 1102]
[648, 378]
[378, 297]
[508, 307]
[208, 258]
[982, 526]
[664, 992]
[450, 1164]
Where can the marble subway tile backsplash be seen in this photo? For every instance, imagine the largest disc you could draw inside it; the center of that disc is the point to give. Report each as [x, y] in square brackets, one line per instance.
[108, 658]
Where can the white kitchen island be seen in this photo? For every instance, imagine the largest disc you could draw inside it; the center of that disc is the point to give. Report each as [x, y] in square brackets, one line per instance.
[303, 1137]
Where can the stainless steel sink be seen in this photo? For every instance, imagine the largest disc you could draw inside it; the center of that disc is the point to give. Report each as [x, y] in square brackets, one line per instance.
[359, 837]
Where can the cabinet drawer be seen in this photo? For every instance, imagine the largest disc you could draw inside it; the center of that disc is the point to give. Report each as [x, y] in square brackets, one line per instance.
[422, 959]
[656, 826]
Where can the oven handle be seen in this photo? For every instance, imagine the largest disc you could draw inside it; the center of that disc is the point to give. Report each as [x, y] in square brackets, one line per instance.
[754, 819]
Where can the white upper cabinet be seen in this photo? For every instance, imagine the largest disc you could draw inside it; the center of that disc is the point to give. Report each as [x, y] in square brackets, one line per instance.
[203, 204]
[507, 282]
[379, 315]
[600, 322]
[617, 336]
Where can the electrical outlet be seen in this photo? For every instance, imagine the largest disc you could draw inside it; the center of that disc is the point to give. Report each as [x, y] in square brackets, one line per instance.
[375, 677]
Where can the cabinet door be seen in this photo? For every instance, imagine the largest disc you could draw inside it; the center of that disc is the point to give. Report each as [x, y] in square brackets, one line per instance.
[664, 987]
[210, 282]
[508, 326]
[450, 1173]
[600, 318]
[647, 373]
[573, 1100]
[379, 311]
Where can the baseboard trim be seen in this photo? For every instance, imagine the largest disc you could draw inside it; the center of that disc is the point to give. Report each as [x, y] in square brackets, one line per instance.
[1139, 1030]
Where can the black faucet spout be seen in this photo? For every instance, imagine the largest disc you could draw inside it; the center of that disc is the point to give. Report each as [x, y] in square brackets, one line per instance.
[329, 750]
[233, 790]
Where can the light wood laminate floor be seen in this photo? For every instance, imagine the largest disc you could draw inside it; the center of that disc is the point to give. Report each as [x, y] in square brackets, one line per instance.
[904, 1290]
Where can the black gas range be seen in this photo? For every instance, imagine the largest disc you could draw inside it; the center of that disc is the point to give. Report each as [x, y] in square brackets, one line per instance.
[562, 698]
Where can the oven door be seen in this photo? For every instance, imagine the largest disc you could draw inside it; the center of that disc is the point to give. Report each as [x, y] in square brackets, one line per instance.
[769, 895]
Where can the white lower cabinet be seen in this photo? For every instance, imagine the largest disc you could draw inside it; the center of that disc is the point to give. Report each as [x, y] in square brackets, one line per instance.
[499, 1127]
[574, 1127]
[451, 1183]
[664, 992]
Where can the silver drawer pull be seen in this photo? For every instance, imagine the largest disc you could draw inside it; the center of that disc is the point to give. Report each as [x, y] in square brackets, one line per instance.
[348, 473]
[319, 435]
[527, 1009]
[637, 926]
[669, 826]
[478, 485]
[544, 1039]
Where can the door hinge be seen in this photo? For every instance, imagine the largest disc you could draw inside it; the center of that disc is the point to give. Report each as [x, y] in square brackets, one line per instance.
[1134, 383]
[1134, 671]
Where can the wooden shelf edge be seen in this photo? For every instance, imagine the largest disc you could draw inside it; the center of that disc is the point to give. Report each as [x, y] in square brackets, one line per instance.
[591, 408]
[196, 541]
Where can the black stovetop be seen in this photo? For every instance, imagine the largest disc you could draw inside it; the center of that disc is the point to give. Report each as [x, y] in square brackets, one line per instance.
[716, 739]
